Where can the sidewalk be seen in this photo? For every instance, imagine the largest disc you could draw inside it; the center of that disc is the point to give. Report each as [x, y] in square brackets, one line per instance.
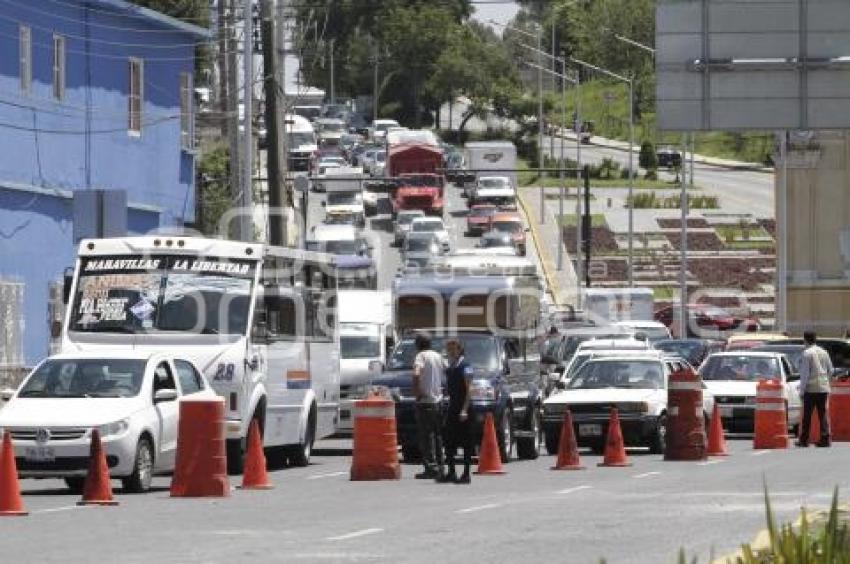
[701, 159]
[562, 284]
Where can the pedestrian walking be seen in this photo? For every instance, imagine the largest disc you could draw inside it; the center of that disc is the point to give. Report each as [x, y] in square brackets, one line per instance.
[457, 432]
[428, 369]
[815, 373]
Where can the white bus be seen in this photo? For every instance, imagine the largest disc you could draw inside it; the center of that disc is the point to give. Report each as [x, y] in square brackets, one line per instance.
[260, 321]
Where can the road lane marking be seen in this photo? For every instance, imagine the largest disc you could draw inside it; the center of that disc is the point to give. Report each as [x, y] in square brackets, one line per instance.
[575, 489]
[646, 475]
[759, 452]
[355, 534]
[58, 509]
[328, 475]
[710, 462]
[479, 508]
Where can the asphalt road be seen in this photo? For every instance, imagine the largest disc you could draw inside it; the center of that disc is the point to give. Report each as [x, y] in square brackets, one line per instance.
[380, 231]
[644, 513]
[740, 191]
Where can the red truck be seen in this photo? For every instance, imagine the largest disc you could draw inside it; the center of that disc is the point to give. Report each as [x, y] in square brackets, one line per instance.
[419, 183]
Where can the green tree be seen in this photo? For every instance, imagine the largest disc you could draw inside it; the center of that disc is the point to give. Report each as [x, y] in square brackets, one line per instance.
[192, 11]
[214, 197]
[647, 158]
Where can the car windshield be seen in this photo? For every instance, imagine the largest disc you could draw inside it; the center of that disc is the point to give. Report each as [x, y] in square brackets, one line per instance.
[301, 138]
[482, 212]
[417, 244]
[332, 127]
[134, 294]
[342, 198]
[90, 378]
[653, 333]
[359, 340]
[507, 226]
[686, 349]
[481, 351]
[407, 218]
[490, 242]
[794, 353]
[743, 367]
[346, 247]
[631, 374]
[428, 226]
[492, 183]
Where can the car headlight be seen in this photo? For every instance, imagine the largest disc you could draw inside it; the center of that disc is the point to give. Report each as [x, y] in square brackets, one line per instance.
[482, 390]
[115, 428]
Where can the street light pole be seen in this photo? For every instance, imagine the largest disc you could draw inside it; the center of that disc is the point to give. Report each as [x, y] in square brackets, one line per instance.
[540, 69]
[630, 84]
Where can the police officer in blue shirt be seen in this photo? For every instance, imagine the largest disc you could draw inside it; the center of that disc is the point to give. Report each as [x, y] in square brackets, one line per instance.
[457, 431]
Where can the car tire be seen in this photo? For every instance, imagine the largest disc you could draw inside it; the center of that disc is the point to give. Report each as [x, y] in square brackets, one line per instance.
[140, 480]
[75, 484]
[528, 448]
[659, 439]
[299, 455]
[505, 436]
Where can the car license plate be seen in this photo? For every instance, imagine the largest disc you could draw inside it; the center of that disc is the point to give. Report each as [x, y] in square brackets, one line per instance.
[40, 454]
[726, 411]
[590, 430]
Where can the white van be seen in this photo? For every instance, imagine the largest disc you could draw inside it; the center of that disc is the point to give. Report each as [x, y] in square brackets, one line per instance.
[365, 329]
[301, 142]
[379, 128]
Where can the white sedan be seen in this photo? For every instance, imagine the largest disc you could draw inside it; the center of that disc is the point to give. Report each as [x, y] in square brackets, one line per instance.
[635, 383]
[733, 377]
[433, 225]
[131, 397]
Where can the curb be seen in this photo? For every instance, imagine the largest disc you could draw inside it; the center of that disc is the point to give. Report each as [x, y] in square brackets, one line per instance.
[545, 260]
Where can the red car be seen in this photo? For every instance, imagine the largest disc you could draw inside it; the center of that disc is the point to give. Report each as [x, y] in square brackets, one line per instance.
[705, 320]
[479, 217]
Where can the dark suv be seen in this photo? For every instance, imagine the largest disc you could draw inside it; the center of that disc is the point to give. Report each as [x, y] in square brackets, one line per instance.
[504, 384]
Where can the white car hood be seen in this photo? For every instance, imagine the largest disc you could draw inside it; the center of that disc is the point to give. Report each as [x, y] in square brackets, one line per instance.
[606, 395]
[67, 412]
[494, 193]
[731, 388]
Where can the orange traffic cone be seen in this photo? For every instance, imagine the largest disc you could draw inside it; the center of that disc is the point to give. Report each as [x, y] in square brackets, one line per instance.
[11, 504]
[568, 458]
[255, 476]
[716, 438]
[615, 449]
[97, 489]
[489, 461]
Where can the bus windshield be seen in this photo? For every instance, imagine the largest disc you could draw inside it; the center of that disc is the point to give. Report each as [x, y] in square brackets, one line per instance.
[151, 294]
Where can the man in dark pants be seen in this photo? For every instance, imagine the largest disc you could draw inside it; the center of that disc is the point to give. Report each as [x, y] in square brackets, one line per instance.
[457, 432]
[428, 368]
[815, 374]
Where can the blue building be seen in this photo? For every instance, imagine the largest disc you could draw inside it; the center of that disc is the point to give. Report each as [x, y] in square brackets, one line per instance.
[94, 95]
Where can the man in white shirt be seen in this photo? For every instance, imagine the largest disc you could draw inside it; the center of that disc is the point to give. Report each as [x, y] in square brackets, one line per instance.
[815, 373]
[428, 370]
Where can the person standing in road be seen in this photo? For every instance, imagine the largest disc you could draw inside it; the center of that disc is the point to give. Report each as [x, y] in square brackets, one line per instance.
[428, 367]
[815, 373]
[457, 432]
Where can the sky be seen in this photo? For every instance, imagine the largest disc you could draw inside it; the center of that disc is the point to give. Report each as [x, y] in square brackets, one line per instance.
[502, 13]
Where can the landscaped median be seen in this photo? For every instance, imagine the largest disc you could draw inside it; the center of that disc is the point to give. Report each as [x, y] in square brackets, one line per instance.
[816, 537]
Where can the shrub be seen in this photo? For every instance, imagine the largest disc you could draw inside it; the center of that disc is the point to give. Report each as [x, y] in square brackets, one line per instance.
[647, 158]
[651, 174]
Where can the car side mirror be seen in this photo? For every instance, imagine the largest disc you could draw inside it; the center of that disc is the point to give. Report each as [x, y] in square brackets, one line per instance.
[793, 377]
[548, 359]
[6, 394]
[164, 395]
[561, 385]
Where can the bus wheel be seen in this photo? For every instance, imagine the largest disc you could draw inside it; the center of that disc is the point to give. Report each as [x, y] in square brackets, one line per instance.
[299, 455]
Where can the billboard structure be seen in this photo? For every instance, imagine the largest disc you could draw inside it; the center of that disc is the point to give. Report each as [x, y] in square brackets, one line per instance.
[752, 64]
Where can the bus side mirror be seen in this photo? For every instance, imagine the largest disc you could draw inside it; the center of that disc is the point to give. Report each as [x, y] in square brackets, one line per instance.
[67, 282]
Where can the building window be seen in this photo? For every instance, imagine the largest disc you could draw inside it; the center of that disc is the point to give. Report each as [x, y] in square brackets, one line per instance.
[58, 67]
[25, 46]
[187, 117]
[136, 96]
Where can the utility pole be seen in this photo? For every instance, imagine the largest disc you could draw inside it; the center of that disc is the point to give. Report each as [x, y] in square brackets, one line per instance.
[221, 11]
[247, 201]
[375, 85]
[233, 115]
[333, 88]
[274, 128]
